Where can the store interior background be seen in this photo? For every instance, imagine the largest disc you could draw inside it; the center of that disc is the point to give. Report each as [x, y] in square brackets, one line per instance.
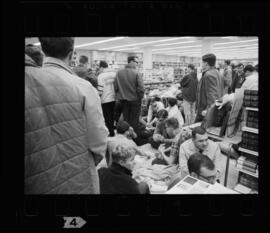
[164, 60]
[168, 54]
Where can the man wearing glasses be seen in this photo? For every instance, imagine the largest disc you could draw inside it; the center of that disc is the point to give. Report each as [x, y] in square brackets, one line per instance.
[129, 90]
[199, 166]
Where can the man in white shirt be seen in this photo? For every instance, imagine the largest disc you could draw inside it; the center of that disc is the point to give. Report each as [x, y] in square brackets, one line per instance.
[173, 111]
[107, 94]
[199, 143]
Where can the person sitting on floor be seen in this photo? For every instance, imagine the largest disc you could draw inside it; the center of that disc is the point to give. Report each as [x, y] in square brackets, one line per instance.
[124, 136]
[173, 110]
[117, 178]
[172, 129]
[199, 143]
[160, 134]
[155, 106]
[199, 166]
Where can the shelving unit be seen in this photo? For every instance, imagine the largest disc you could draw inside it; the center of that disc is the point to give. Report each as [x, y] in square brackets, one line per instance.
[247, 180]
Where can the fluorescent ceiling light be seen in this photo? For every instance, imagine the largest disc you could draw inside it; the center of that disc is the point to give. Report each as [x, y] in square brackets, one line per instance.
[142, 43]
[37, 44]
[100, 42]
[229, 49]
[127, 49]
[228, 37]
[184, 42]
[178, 51]
[183, 47]
[236, 42]
[236, 46]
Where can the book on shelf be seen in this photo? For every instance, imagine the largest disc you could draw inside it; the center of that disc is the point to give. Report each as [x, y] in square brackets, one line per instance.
[242, 189]
[253, 170]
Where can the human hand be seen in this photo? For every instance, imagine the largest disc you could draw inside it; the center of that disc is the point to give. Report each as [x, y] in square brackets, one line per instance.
[225, 100]
[204, 113]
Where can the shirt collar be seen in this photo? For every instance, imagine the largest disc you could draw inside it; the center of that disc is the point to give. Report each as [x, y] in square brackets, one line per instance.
[118, 167]
[51, 61]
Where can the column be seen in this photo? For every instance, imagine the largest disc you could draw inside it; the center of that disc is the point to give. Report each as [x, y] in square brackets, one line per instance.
[207, 46]
[147, 58]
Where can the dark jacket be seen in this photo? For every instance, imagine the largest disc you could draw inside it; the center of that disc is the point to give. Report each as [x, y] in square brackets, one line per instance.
[57, 158]
[117, 180]
[210, 88]
[237, 81]
[189, 86]
[128, 84]
[86, 74]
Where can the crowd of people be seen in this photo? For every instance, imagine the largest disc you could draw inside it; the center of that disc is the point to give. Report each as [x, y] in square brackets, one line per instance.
[83, 128]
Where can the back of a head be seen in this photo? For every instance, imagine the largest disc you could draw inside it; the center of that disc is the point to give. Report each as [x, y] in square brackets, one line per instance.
[191, 66]
[172, 122]
[162, 114]
[249, 68]
[122, 127]
[122, 154]
[257, 67]
[103, 64]
[210, 58]
[227, 62]
[198, 130]
[239, 65]
[35, 53]
[132, 58]
[83, 59]
[197, 161]
[57, 47]
[172, 101]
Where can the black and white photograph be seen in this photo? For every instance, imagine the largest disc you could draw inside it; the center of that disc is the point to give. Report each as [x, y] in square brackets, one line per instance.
[141, 115]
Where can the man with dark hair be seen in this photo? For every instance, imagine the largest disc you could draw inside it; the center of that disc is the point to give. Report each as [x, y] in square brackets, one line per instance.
[239, 78]
[199, 143]
[129, 91]
[227, 75]
[173, 110]
[189, 85]
[83, 71]
[199, 167]
[257, 67]
[107, 94]
[117, 178]
[65, 134]
[35, 53]
[210, 88]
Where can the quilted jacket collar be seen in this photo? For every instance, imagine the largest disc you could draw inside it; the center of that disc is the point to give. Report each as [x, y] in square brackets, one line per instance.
[28, 61]
[51, 61]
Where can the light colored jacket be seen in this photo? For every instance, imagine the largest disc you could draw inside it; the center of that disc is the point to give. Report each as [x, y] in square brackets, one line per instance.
[106, 86]
[175, 113]
[188, 148]
[58, 119]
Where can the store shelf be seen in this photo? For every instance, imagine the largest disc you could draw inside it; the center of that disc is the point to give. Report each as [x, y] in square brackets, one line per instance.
[248, 151]
[244, 190]
[256, 175]
[252, 109]
[251, 130]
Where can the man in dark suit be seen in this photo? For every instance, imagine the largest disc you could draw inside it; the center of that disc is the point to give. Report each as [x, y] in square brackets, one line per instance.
[210, 88]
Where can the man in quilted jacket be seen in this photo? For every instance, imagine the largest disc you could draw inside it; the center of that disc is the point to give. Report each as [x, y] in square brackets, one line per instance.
[65, 133]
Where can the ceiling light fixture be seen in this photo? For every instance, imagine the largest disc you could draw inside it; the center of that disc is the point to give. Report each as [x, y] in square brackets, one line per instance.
[183, 47]
[184, 42]
[237, 46]
[236, 42]
[100, 42]
[37, 44]
[142, 43]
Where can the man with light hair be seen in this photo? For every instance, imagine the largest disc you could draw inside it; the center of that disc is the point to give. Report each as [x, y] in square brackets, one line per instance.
[117, 178]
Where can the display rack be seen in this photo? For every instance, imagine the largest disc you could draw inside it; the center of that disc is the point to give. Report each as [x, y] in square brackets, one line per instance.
[249, 158]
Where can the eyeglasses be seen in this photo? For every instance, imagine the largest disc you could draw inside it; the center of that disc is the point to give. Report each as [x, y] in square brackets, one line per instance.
[209, 178]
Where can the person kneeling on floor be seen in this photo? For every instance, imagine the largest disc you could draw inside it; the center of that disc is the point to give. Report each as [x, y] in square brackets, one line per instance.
[201, 167]
[117, 178]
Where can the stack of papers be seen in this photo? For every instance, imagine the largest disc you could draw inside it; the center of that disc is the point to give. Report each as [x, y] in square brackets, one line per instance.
[191, 185]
